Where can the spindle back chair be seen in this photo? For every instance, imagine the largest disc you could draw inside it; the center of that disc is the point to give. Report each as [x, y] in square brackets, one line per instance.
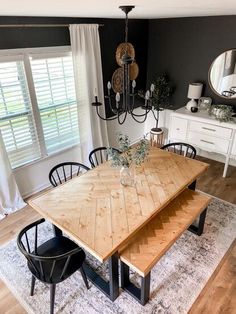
[66, 171]
[99, 155]
[52, 261]
[184, 149]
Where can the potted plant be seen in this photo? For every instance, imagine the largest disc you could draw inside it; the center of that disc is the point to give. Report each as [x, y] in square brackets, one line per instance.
[128, 157]
[161, 91]
[161, 95]
[223, 113]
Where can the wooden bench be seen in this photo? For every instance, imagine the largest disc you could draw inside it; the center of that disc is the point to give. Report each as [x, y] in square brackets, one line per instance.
[155, 238]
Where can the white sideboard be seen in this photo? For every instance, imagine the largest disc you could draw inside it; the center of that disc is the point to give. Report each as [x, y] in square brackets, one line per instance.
[204, 132]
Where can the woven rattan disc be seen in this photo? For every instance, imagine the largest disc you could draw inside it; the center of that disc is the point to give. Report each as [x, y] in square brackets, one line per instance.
[117, 80]
[133, 71]
[121, 49]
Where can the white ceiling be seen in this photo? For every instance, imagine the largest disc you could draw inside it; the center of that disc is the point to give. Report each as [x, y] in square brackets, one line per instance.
[109, 8]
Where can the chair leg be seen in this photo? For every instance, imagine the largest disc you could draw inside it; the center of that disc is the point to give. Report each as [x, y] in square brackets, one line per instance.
[33, 279]
[84, 277]
[52, 297]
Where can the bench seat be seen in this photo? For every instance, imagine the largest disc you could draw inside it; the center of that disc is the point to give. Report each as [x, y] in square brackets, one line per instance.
[154, 239]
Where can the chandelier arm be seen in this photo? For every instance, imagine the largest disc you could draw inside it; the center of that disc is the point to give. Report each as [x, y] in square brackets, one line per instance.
[119, 115]
[145, 117]
[105, 119]
[133, 98]
[140, 115]
[110, 106]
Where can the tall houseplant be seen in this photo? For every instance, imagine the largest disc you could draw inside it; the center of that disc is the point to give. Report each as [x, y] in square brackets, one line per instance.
[163, 90]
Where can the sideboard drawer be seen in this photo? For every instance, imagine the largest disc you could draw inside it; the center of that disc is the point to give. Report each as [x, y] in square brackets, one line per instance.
[179, 128]
[234, 147]
[209, 143]
[210, 129]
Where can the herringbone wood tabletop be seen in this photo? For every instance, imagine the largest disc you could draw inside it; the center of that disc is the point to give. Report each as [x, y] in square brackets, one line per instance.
[101, 215]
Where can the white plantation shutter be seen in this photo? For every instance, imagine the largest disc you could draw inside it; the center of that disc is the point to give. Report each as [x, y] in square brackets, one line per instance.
[16, 119]
[55, 92]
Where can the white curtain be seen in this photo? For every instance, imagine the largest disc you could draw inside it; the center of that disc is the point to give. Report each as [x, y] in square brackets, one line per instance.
[86, 53]
[10, 198]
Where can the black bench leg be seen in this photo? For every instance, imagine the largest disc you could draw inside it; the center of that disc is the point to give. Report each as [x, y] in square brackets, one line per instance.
[140, 294]
[145, 288]
[124, 275]
[199, 228]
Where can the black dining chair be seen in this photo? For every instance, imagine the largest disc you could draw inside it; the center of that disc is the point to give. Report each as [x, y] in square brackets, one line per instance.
[184, 149]
[51, 262]
[66, 171]
[99, 155]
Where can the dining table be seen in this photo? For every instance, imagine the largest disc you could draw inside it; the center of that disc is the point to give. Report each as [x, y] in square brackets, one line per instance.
[101, 215]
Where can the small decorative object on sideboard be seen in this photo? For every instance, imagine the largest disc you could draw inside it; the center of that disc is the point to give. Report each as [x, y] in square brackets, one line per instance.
[194, 109]
[204, 103]
[194, 92]
[128, 157]
[223, 113]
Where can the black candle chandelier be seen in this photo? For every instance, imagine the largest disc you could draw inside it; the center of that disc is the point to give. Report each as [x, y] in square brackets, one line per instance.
[122, 104]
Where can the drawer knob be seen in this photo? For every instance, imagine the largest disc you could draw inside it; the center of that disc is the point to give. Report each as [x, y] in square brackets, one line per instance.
[208, 129]
[177, 129]
[208, 142]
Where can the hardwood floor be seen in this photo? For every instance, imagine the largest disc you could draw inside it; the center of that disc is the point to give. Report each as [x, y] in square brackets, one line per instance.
[214, 184]
[218, 296]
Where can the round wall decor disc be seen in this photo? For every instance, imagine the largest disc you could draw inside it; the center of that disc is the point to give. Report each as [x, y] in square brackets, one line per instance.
[117, 80]
[133, 71]
[121, 49]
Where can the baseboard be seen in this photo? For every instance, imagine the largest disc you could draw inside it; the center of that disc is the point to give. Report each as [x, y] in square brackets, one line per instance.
[35, 190]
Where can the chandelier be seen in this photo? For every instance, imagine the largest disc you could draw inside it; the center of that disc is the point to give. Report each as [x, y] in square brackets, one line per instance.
[122, 104]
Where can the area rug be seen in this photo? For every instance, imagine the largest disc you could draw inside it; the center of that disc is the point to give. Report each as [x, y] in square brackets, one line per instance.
[176, 280]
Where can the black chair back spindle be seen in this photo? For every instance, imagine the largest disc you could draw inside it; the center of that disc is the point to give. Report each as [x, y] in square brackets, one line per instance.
[99, 155]
[183, 149]
[65, 171]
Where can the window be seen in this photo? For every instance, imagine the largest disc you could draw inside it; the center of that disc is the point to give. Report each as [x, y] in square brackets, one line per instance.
[38, 109]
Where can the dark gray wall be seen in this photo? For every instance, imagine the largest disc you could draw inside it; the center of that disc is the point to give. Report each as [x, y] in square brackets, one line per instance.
[110, 36]
[184, 48]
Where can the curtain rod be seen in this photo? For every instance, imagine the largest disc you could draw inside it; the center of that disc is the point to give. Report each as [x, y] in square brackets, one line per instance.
[36, 25]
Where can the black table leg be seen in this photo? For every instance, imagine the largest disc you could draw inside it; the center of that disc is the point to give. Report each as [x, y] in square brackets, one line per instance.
[109, 288]
[57, 231]
[192, 186]
[199, 228]
[140, 294]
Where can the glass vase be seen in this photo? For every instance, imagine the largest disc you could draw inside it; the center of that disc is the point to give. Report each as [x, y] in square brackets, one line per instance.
[127, 176]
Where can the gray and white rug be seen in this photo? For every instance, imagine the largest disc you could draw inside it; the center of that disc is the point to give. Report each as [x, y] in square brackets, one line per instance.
[176, 280]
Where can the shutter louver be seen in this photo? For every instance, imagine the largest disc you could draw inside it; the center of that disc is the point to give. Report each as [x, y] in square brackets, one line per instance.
[16, 119]
[55, 92]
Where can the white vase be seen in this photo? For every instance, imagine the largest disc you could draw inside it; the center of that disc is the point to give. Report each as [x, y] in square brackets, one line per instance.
[127, 176]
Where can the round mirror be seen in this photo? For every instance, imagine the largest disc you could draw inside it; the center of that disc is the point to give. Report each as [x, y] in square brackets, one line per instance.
[222, 74]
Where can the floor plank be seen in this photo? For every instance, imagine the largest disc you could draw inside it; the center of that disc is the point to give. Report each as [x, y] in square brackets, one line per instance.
[217, 297]
[214, 184]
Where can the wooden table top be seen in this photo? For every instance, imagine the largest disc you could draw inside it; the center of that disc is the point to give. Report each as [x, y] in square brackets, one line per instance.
[101, 215]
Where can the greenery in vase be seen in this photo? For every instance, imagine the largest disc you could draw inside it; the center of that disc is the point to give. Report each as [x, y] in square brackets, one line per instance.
[129, 155]
[223, 113]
